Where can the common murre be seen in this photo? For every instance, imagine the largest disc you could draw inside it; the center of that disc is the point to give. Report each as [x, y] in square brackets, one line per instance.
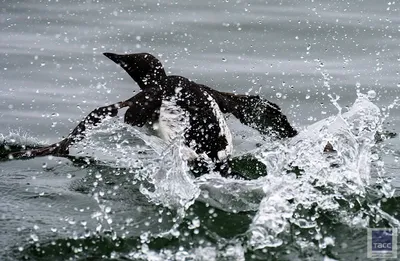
[146, 70]
[195, 109]
[178, 105]
[183, 112]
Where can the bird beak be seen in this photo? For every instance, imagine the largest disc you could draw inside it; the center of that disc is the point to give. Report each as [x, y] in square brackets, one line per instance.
[113, 57]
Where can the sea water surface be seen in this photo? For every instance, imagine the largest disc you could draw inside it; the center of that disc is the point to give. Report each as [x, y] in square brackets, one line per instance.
[332, 66]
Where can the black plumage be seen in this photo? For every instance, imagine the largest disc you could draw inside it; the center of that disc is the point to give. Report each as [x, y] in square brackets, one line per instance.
[252, 110]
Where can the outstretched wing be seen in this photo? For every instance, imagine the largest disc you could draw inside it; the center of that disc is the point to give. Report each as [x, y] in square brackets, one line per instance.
[143, 106]
[78, 133]
[255, 112]
[140, 106]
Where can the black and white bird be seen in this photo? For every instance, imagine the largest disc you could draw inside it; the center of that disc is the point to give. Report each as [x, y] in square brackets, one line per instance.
[179, 108]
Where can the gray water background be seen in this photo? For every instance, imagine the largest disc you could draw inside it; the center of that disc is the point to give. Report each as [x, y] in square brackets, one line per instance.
[52, 71]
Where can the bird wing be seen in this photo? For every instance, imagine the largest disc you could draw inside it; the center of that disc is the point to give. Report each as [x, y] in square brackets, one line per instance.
[143, 106]
[140, 105]
[254, 111]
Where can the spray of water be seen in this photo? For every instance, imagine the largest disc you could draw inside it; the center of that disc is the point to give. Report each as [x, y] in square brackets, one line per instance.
[325, 182]
[344, 173]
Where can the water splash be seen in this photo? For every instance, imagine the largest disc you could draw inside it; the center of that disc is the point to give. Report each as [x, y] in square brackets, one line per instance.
[162, 166]
[329, 184]
[344, 173]
[173, 184]
[19, 138]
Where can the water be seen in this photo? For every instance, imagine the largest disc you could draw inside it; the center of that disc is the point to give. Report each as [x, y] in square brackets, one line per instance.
[313, 58]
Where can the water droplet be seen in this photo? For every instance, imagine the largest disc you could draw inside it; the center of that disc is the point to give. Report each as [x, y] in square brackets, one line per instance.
[196, 222]
[371, 94]
[34, 237]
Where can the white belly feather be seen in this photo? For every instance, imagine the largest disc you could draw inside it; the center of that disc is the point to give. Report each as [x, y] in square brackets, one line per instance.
[173, 121]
